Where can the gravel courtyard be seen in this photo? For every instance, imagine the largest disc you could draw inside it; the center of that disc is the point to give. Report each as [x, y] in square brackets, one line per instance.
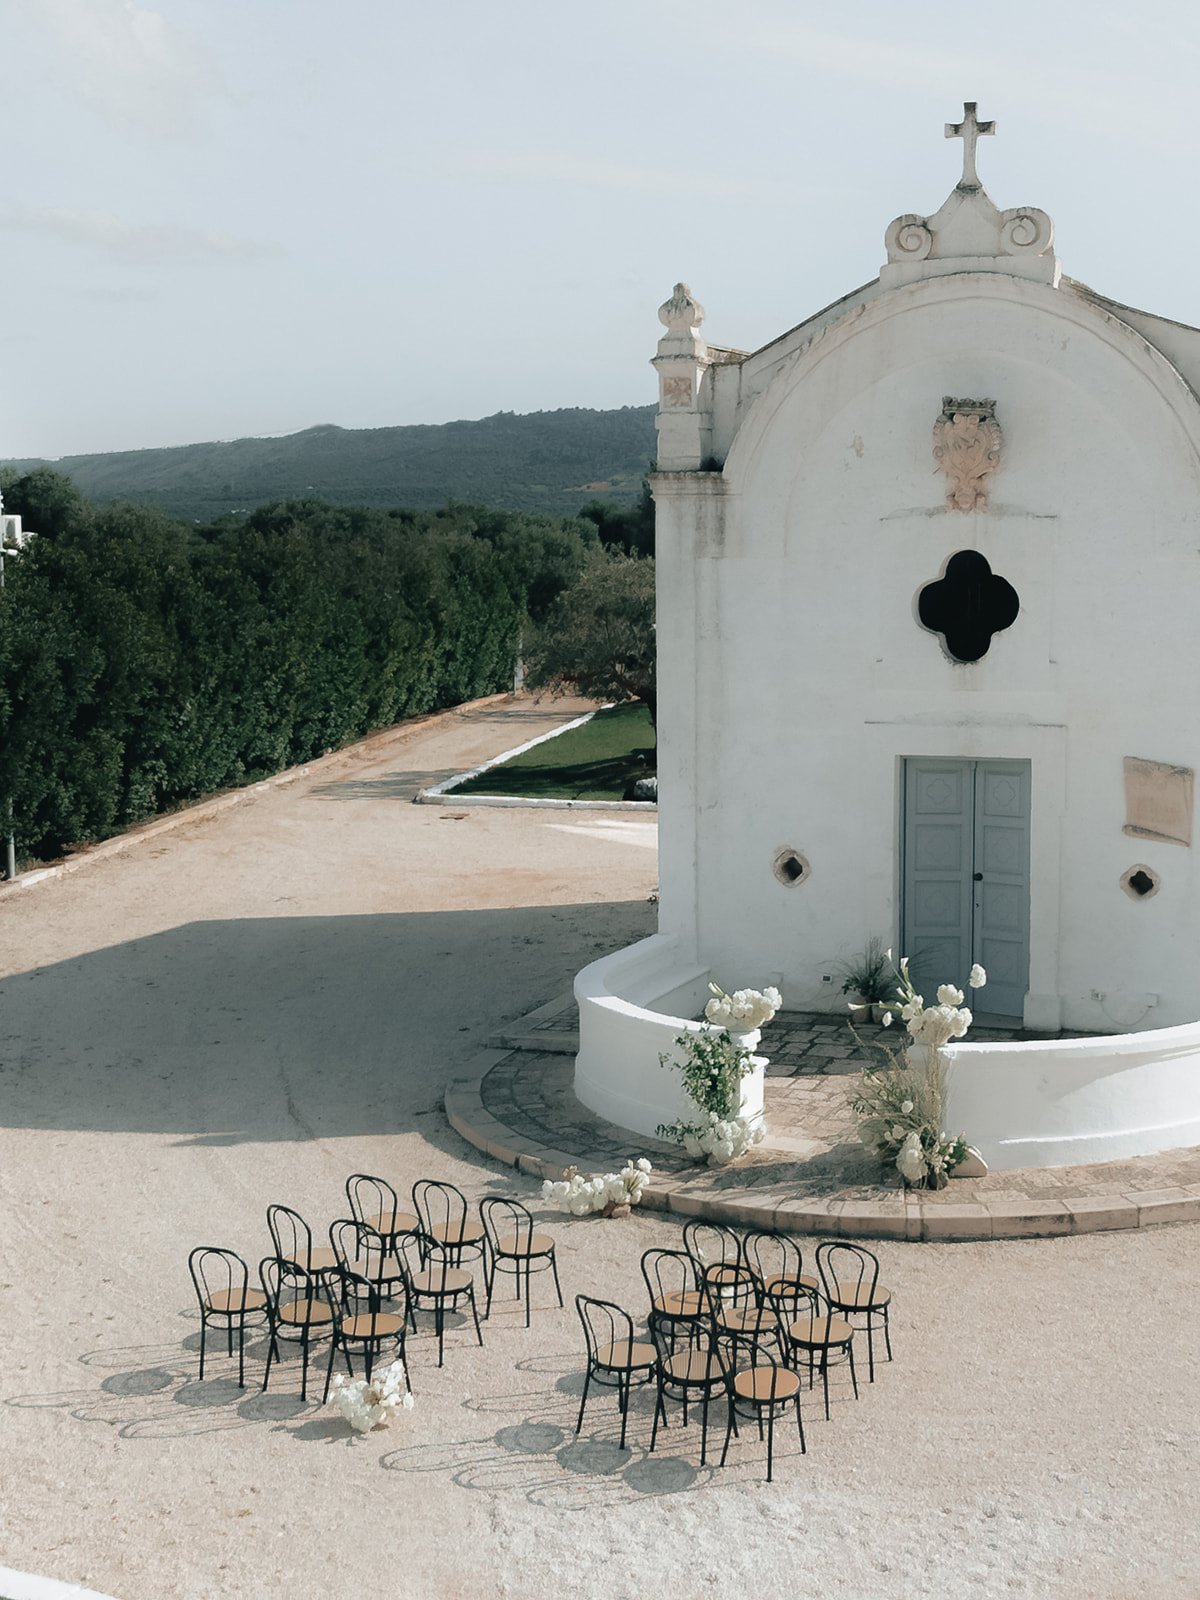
[250, 1006]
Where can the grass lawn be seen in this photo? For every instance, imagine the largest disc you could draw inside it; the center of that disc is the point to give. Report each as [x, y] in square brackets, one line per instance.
[595, 762]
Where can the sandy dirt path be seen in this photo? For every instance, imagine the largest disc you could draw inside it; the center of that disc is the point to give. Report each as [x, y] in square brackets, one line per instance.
[252, 1006]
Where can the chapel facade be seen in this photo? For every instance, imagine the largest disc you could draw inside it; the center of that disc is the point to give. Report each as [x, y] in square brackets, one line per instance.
[929, 574]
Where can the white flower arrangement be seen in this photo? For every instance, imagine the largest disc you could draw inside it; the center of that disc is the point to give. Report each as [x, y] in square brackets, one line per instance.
[612, 1191]
[743, 1011]
[900, 1110]
[723, 1139]
[367, 1404]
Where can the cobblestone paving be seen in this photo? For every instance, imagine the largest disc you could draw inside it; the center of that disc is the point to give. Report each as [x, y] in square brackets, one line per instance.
[811, 1149]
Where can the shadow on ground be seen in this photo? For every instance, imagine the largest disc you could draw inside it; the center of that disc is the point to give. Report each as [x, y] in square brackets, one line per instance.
[282, 1028]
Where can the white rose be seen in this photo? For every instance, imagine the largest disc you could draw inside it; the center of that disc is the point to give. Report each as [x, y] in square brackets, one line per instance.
[948, 995]
[906, 1107]
[643, 1165]
[978, 977]
[910, 1159]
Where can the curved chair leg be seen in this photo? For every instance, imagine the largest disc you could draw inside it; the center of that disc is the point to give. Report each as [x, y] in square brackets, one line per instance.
[800, 1426]
[704, 1426]
[586, 1383]
[554, 1270]
[475, 1314]
[887, 1337]
[729, 1427]
[770, 1439]
[203, 1327]
[333, 1344]
[242, 1353]
[853, 1375]
[623, 1399]
[272, 1352]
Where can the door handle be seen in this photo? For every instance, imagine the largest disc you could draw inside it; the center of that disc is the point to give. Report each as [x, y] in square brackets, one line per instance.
[978, 877]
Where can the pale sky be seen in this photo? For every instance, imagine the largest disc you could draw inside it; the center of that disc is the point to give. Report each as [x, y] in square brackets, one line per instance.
[228, 217]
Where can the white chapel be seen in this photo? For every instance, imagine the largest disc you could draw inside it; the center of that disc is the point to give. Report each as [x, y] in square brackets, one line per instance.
[928, 582]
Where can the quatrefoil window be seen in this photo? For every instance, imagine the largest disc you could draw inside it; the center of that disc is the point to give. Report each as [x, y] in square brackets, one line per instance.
[967, 605]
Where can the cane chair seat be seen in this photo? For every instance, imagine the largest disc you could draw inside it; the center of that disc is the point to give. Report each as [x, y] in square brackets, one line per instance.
[763, 1385]
[783, 1287]
[383, 1325]
[680, 1303]
[376, 1269]
[456, 1233]
[859, 1297]
[318, 1258]
[626, 1355]
[389, 1222]
[692, 1366]
[534, 1244]
[233, 1302]
[742, 1320]
[305, 1312]
[812, 1333]
[441, 1280]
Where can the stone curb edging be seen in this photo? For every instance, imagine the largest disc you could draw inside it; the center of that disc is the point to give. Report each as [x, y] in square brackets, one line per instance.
[27, 1586]
[203, 809]
[907, 1217]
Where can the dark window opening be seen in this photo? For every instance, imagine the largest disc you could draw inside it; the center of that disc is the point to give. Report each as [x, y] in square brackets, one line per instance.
[968, 605]
[1141, 883]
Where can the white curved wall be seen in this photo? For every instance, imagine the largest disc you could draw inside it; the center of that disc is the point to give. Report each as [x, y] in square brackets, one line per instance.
[1071, 1101]
[625, 1023]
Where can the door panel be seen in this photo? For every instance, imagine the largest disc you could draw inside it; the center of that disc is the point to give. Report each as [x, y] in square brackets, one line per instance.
[939, 839]
[965, 879]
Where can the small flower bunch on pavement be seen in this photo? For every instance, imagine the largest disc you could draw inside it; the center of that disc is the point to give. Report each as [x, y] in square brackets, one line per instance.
[579, 1196]
[900, 1107]
[722, 1140]
[369, 1403]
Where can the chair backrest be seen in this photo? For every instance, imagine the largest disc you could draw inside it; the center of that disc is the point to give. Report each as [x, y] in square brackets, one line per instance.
[290, 1234]
[711, 1242]
[285, 1283]
[604, 1325]
[438, 1205]
[361, 1296]
[670, 1277]
[372, 1200]
[727, 1287]
[846, 1267]
[778, 1263]
[359, 1248]
[216, 1270]
[507, 1223]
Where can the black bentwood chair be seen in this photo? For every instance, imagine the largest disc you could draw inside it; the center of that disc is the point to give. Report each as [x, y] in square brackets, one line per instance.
[763, 1391]
[615, 1359]
[293, 1241]
[434, 1284]
[364, 1253]
[445, 1225]
[850, 1279]
[361, 1324]
[675, 1303]
[299, 1310]
[222, 1283]
[691, 1374]
[513, 1246]
[374, 1202]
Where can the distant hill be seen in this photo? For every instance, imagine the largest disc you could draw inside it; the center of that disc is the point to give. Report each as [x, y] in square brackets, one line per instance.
[547, 461]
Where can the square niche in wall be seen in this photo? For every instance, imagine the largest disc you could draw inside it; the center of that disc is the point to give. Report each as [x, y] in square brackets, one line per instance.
[1158, 801]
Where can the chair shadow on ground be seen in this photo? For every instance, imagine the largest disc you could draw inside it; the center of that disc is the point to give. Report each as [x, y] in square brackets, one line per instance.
[151, 1392]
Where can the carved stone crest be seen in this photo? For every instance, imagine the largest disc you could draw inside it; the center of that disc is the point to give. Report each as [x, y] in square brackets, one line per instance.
[966, 446]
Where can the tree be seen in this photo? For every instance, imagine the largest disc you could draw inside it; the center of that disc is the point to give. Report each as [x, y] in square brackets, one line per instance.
[598, 636]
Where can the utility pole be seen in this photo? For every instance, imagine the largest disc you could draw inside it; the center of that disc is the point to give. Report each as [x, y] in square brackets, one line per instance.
[10, 843]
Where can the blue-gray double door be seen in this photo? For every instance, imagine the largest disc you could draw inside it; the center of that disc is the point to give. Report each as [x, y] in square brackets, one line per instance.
[965, 878]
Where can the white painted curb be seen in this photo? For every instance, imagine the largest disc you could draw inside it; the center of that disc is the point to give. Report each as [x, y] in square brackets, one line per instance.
[442, 794]
[24, 1586]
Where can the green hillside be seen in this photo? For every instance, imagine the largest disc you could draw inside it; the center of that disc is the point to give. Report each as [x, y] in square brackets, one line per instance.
[549, 461]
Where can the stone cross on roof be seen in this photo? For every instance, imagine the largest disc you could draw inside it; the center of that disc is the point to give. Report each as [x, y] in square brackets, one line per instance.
[969, 130]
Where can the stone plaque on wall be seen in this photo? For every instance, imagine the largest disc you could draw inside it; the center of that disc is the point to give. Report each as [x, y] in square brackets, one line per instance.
[1158, 801]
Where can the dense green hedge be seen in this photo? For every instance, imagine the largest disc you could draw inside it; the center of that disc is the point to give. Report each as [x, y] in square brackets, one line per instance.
[144, 662]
